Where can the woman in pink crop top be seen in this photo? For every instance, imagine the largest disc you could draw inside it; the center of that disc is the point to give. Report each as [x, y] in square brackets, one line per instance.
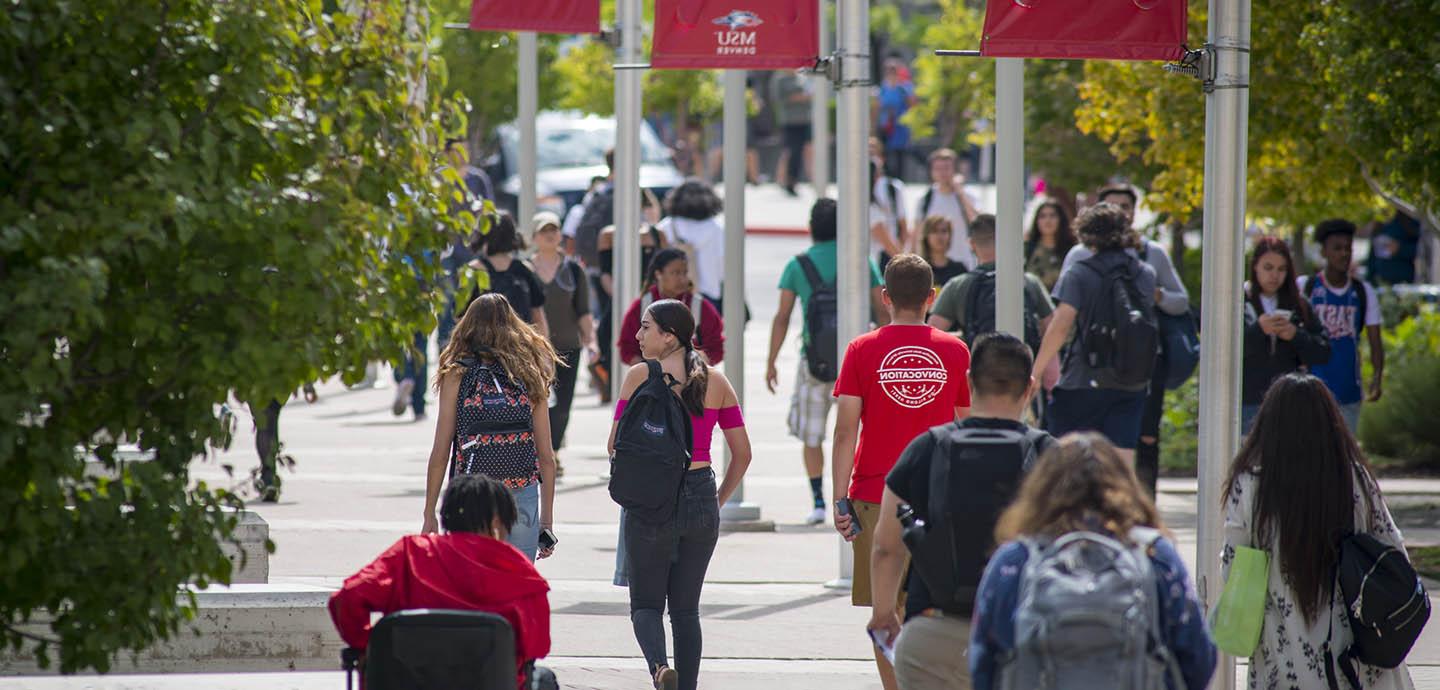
[666, 562]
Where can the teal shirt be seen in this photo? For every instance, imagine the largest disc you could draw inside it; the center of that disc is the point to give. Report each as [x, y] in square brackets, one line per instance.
[823, 255]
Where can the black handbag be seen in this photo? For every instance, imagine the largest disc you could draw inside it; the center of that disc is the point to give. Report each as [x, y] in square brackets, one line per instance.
[1179, 347]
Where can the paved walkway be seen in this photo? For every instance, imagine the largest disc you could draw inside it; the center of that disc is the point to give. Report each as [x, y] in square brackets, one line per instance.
[769, 620]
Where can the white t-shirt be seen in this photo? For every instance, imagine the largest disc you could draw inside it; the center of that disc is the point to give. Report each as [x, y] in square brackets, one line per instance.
[882, 190]
[708, 238]
[948, 205]
[573, 217]
[877, 215]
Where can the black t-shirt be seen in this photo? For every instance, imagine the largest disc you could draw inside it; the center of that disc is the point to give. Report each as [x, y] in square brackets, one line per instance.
[910, 480]
[517, 282]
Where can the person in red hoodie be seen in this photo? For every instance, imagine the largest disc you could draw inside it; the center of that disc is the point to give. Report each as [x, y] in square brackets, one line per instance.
[668, 277]
[468, 567]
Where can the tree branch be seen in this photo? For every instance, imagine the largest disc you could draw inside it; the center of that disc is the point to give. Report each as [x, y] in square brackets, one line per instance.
[33, 637]
[1428, 216]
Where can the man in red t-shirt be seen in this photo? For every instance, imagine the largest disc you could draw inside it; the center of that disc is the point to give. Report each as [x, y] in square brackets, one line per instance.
[895, 383]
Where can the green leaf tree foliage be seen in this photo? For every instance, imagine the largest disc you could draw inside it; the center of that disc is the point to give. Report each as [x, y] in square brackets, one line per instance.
[1333, 115]
[200, 198]
[957, 104]
[589, 80]
[481, 66]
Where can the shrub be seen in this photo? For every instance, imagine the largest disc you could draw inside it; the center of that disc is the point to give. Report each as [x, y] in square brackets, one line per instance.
[1402, 424]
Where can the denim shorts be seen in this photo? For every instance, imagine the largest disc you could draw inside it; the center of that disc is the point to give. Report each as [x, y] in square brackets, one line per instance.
[525, 535]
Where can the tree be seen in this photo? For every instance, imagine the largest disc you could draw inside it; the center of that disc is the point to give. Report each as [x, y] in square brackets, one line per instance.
[201, 198]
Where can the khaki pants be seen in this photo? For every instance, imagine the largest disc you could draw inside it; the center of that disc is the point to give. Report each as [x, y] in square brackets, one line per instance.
[934, 653]
[869, 516]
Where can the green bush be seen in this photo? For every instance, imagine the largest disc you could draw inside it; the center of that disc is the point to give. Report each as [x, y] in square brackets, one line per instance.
[1402, 424]
[1180, 429]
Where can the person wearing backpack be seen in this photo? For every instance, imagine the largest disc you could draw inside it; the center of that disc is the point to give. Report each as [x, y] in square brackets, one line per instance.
[1347, 306]
[668, 277]
[1171, 300]
[494, 383]
[668, 409]
[953, 481]
[505, 273]
[567, 313]
[895, 383]
[1299, 485]
[1108, 301]
[1086, 586]
[947, 197]
[810, 278]
[968, 301]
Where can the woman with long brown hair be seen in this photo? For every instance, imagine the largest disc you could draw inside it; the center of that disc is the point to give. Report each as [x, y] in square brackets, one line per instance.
[1298, 485]
[666, 563]
[1081, 485]
[1282, 332]
[494, 384]
[1048, 241]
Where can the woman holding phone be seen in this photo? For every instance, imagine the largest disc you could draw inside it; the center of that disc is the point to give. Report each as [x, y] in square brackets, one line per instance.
[1282, 332]
[666, 563]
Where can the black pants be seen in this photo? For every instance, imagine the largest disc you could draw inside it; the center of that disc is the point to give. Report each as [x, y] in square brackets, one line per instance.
[667, 563]
[1147, 455]
[795, 138]
[565, 375]
[267, 439]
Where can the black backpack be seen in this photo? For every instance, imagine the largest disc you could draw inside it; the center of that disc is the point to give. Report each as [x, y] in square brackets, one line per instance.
[1385, 602]
[599, 212]
[822, 323]
[510, 284]
[1119, 334]
[652, 450]
[980, 312]
[981, 468]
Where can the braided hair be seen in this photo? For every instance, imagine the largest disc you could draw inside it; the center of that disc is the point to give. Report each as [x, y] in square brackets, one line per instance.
[472, 502]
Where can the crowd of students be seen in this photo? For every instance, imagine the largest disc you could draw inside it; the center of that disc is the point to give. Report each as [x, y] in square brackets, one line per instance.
[992, 553]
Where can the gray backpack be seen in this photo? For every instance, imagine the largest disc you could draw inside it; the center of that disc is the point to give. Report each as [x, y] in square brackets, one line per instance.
[1089, 617]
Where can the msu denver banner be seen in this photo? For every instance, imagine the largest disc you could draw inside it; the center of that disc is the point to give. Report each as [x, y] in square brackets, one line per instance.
[735, 34]
[544, 16]
[1076, 29]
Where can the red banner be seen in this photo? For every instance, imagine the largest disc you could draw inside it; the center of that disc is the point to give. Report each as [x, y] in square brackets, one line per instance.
[710, 34]
[544, 16]
[1089, 29]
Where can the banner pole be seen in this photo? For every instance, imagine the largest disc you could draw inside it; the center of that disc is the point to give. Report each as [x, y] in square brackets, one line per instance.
[1010, 195]
[627, 175]
[820, 112]
[527, 80]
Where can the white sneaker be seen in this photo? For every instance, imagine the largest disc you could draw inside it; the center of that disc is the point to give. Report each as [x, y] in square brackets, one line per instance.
[816, 517]
[402, 396]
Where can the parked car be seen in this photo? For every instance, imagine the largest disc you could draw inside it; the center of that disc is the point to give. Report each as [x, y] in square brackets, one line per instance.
[570, 148]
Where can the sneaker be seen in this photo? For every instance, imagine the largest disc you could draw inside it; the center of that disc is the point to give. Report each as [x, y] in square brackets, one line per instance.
[420, 416]
[816, 517]
[666, 678]
[402, 396]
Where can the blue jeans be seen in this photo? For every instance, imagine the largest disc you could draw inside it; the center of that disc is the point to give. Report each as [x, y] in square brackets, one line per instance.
[1351, 413]
[1115, 414]
[622, 577]
[416, 368]
[525, 535]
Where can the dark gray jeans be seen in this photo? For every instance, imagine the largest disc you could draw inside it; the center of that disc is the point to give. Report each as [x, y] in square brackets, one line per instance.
[666, 563]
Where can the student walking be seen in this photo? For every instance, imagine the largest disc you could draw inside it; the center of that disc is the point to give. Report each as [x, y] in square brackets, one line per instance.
[494, 381]
[668, 277]
[968, 302]
[810, 277]
[693, 225]
[1298, 484]
[1172, 298]
[1282, 332]
[567, 312]
[507, 274]
[666, 560]
[1047, 242]
[1082, 535]
[936, 234]
[1109, 365]
[1347, 306]
[947, 197]
[895, 383]
[952, 509]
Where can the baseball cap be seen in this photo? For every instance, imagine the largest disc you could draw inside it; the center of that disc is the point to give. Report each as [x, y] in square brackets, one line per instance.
[545, 218]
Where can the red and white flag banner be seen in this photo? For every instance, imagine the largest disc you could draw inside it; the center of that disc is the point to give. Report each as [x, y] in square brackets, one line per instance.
[735, 34]
[542, 16]
[1084, 29]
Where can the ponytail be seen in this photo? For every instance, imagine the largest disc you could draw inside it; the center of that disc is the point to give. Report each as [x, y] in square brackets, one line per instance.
[692, 394]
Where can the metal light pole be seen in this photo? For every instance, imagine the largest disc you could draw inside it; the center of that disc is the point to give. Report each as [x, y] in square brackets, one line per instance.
[627, 173]
[820, 114]
[736, 513]
[852, 280]
[1010, 195]
[1227, 103]
[528, 79]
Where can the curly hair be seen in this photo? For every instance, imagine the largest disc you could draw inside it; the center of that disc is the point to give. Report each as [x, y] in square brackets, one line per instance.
[1104, 226]
[1079, 484]
[491, 330]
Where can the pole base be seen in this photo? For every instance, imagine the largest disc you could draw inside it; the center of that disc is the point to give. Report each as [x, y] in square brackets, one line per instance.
[840, 583]
[743, 517]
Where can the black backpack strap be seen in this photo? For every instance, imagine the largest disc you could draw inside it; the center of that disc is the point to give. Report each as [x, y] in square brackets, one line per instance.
[925, 202]
[1037, 441]
[1364, 307]
[812, 272]
[940, 470]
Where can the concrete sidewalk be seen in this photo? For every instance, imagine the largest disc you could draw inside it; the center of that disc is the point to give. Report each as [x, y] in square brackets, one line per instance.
[769, 620]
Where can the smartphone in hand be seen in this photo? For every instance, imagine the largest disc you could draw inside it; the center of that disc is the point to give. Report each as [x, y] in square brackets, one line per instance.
[547, 539]
[844, 507]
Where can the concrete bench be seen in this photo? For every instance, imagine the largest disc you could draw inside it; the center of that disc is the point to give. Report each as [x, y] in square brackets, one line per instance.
[241, 628]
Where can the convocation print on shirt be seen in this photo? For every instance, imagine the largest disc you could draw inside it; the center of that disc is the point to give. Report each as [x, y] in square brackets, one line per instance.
[912, 376]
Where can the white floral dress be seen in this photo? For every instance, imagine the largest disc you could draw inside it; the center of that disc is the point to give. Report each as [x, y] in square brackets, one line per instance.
[1290, 655]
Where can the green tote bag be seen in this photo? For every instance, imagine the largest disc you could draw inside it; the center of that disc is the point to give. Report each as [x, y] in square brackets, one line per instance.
[1240, 615]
